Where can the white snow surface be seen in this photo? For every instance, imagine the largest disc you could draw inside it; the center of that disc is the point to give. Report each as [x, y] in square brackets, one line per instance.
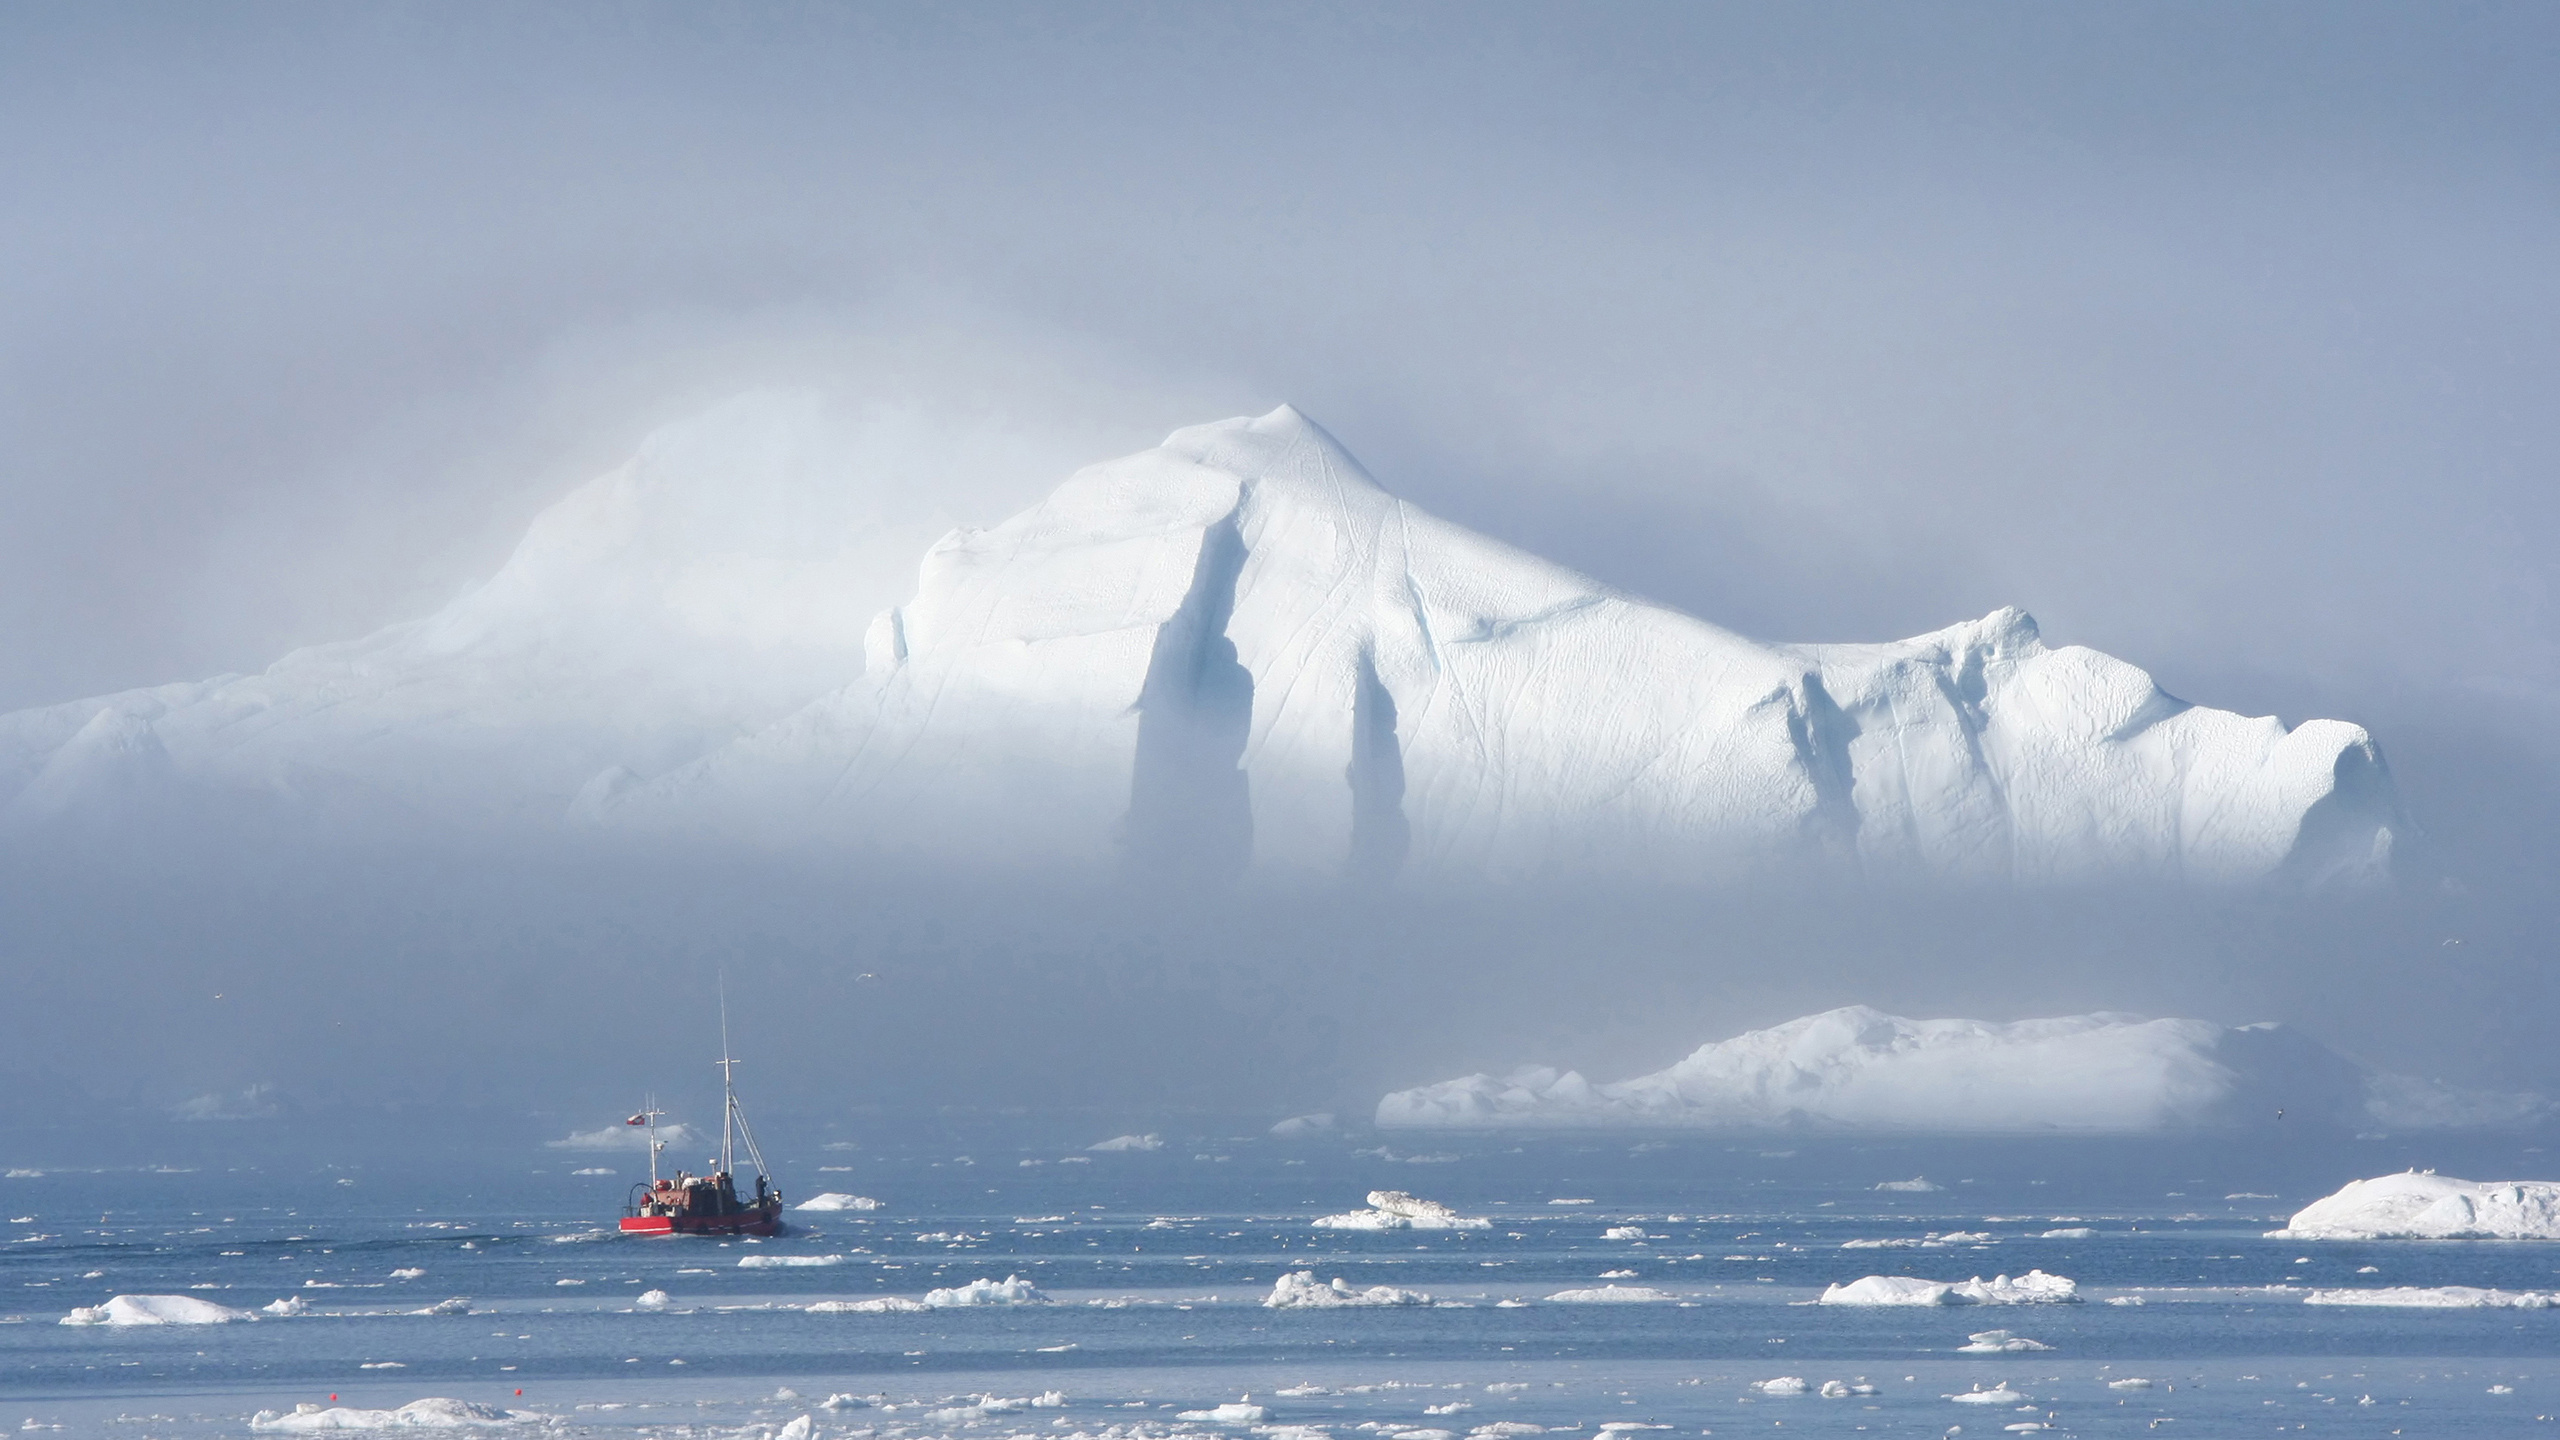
[1233, 651]
[1857, 1068]
[432, 1414]
[2033, 1288]
[1395, 1210]
[157, 1310]
[2428, 1206]
[1300, 1290]
[836, 1200]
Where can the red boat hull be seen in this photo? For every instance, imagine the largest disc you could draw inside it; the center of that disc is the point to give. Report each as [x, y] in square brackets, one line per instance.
[766, 1221]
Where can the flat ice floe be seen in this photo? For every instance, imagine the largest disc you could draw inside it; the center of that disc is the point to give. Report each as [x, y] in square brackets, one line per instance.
[2033, 1288]
[2437, 1297]
[1858, 1068]
[2426, 1206]
[1395, 1210]
[157, 1310]
[431, 1414]
[876, 1305]
[834, 1200]
[783, 1262]
[1611, 1295]
[1998, 1342]
[1300, 1290]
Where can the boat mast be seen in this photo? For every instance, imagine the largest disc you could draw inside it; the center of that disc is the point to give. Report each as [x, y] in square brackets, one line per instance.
[728, 1088]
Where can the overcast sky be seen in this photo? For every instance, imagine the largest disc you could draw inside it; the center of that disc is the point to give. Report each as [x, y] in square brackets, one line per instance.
[2221, 337]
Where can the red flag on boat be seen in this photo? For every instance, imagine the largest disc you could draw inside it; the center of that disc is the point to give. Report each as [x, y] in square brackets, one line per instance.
[637, 1120]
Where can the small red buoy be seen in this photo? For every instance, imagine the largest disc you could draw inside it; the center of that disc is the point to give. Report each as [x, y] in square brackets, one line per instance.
[519, 1389]
[333, 1397]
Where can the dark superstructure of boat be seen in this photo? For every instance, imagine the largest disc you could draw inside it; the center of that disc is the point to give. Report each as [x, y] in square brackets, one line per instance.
[686, 1204]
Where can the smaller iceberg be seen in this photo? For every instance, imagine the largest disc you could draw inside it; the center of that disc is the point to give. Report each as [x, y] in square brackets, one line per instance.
[1011, 1290]
[1300, 1290]
[1998, 1342]
[1611, 1295]
[434, 1414]
[1395, 1210]
[2033, 1288]
[157, 1310]
[2422, 1205]
[2437, 1297]
[876, 1305]
[834, 1200]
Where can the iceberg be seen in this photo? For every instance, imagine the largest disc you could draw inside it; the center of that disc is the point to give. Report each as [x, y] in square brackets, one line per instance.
[1011, 1290]
[1611, 1295]
[1124, 1143]
[434, 1414]
[2437, 1297]
[877, 1305]
[1235, 652]
[786, 1262]
[1395, 1210]
[2422, 1205]
[1299, 1290]
[159, 1310]
[1857, 1068]
[2033, 1288]
[1998, 1342]
[835, 1200]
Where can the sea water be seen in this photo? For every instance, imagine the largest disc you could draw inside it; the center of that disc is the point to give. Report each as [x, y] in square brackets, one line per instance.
[1154, 1263]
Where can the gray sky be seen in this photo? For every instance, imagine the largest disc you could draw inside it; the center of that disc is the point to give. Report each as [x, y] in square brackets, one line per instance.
[2221, 337]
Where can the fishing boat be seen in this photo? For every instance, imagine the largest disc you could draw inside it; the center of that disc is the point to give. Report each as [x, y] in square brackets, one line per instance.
[688, 1204]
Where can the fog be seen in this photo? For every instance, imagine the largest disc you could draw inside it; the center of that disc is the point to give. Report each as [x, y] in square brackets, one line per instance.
[2217, 338]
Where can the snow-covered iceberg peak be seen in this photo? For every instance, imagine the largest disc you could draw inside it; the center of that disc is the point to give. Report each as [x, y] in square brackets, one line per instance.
[1235, 652]
[1858, 1068]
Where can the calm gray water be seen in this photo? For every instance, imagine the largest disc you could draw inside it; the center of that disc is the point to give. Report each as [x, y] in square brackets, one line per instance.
[1156, 1264]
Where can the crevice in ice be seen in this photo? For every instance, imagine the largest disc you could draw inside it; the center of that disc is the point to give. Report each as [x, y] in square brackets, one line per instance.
[1380, 833]
[1190, 809]
[1822, 732]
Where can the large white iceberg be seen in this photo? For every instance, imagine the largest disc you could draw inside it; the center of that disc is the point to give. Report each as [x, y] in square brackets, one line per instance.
[1232, 652]
[2033, 1288]
[1858, 1068]
[2427, 1206]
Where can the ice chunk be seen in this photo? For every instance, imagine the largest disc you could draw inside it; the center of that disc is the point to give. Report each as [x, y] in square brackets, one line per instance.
[1783, 1385]
[1624, 1232]
[1997, 1342]
[1917, 1185]
[2130, 1382]
[1395, 1210]
[2033, 1288]
[1999, 1394]
[653, 1300]
[1299, 1290]
[1857, 1068]
[1611, 1295]
[408, 1272]
[2438, 1297]
[458, 1305]
[434, 1414]
[786, 1262]
[2428, 1206]
[834, 1200]
[1128, 1142]
[1298, 1127]
[157, 1310]
[289, 1305]
[2073, 1232]
[1232, 1413]
[1011, 1290]
[876, 1305]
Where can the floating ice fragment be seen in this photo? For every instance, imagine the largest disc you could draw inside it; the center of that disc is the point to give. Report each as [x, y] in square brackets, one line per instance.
[1232, 1413]
[1916, 1185]
[2033, 1288]
[2438, 1297]
[1624, 1232]
[1298, 1127]
[653, 1300]
[433, 1414]
[1011, 1290]
[1997, 1342]
[1129, 1142]
[289, 1305]
[786, 1262]
[1395, 1210]
[1611, 1295]
[1299, 1290]
[836, 1200]
[408, 1272]
[1783, 1385]
[876, 1305]
[2130, 1382]
[1999, 1394]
